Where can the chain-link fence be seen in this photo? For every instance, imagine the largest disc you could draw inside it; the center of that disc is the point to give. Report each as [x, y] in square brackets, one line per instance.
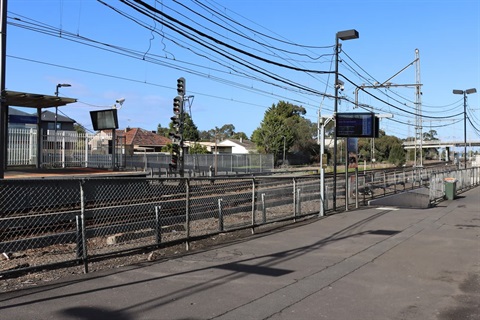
[54, 221]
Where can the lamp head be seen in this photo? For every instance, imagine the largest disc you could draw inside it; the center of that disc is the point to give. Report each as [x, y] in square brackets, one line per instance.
[348, 34]
[473, 90]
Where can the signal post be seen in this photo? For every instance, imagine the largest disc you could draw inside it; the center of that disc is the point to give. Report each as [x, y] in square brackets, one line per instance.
[178, 150]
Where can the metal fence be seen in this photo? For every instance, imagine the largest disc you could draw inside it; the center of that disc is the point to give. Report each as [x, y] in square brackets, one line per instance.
[55, 221]
[62, 149]
[462, 179]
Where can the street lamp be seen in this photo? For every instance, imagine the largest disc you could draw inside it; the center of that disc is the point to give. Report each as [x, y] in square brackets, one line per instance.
[341, 35]
[465, 92]
[283, 162]
[56, 116]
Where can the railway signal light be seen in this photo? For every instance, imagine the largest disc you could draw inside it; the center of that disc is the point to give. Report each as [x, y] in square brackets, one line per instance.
[175, 156]
[181, 86]
[176, 135]
[178, 105]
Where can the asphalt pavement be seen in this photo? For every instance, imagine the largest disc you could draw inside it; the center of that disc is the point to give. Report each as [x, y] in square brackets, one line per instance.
[373, 263]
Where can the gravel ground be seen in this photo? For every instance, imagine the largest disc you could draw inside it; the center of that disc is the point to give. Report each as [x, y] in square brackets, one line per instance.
[36, 278]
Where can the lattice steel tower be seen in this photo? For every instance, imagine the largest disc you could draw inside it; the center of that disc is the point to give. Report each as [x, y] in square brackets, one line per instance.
[418, 112]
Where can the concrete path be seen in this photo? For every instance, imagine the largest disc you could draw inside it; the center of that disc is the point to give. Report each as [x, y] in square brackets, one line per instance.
[375, 263]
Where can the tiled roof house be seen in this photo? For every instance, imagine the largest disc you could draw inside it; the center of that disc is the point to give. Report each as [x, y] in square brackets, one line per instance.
[138, 139]
[134, 140]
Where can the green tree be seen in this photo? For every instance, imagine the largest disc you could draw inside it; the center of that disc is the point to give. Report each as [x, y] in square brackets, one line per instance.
[190, 130]
[239, 136]
[78, 128]
[226, 131]
[384, 145]
[430, 135]
[162, 131]
[205, 135]
[197, 148]
[430, 153]
[279, 126]
[397, 155]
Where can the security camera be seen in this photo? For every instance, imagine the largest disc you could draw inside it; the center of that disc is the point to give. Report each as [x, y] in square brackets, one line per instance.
[120, 101]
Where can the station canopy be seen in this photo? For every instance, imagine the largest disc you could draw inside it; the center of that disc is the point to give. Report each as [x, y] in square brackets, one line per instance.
[34, 100]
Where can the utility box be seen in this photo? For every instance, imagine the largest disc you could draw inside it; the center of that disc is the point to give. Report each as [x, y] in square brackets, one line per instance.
[450, 188]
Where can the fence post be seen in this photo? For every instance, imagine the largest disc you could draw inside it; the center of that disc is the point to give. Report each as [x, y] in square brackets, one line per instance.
[32, 154]
[325, 199]
[294, 197]
[63, 155]
[187, 212]
[298, 210]
[254, 204]
[394, 181]
[384, 183]
[158, 225]
[264, 209]
[82, 233]
[356, 188]
[220, 215]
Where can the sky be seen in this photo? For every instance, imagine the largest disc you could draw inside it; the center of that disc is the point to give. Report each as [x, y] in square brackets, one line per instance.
[240, 57]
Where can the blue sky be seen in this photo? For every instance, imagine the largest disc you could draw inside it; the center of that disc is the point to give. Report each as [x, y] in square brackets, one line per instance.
[44, 49]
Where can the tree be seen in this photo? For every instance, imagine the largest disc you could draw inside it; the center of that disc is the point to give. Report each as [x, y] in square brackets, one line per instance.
[224, 132]
[197, 148]
[281, 125]
[190, 130]
[397, 155]
[430, 135]
[205, 135]
[239, 136]
[79, 128]
[384, 146]
[162, 131]
[430, 153]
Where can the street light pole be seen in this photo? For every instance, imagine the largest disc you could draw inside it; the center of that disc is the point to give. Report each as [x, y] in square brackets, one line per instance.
[341, 35]
[283, 162]
[56, 116]
[465, 92]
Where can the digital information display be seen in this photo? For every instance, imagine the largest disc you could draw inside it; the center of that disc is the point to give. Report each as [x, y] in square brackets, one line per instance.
[355, 125]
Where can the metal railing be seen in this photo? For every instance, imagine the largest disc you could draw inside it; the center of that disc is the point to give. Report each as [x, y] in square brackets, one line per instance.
[63, 149]
[57, 221]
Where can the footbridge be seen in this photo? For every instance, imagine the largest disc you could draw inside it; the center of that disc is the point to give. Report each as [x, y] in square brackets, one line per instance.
[427, 144]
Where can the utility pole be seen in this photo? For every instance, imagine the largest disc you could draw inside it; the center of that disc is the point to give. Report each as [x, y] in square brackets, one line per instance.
[3, 105]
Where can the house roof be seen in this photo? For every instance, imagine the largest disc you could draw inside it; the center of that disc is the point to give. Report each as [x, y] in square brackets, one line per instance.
[16, 112]
[143, 138]
[50, 116]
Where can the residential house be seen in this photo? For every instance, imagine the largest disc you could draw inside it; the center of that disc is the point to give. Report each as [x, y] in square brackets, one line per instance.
[133, 139]
[236, 146]
[21, 119]
[141, 140]
[48, 122]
